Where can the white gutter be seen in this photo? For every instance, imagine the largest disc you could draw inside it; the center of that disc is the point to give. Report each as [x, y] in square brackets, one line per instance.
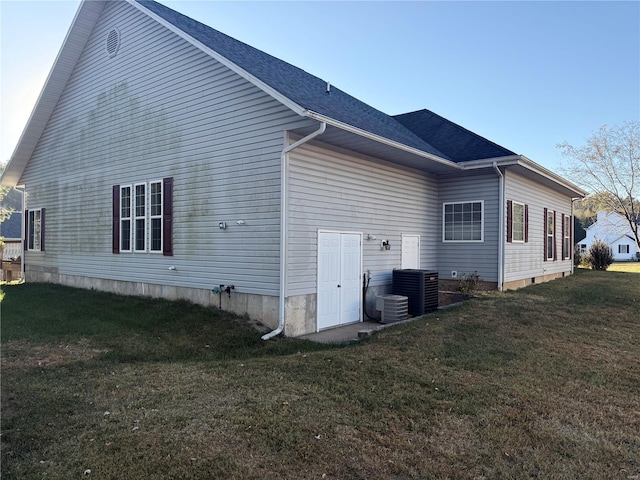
[523, 161]
[284, 172]
[372, 136]
[502, 228]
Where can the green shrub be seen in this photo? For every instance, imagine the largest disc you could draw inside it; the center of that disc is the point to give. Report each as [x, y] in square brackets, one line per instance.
[600, 255]
[469, 282]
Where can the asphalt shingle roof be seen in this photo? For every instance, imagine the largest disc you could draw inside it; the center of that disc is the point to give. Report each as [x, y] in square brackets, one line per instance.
[304, 89]
[456, 142]
[12, 226]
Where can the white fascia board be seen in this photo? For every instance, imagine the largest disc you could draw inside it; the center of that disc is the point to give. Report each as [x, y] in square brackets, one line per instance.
[545, 172]
[378, 138]
[70, 51]
[489, 162]
[527, 163]
[287, 102]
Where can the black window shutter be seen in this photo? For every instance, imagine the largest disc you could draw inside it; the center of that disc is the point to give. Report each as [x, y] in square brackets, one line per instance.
[26, 232]
[509, 221]
[526, 223]
[570, 252]
[545, 223]
[115, 227]
[167, 216]
[42, 229]
[555, 228]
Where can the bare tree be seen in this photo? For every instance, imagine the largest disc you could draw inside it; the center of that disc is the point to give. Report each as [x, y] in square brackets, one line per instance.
[609, 165]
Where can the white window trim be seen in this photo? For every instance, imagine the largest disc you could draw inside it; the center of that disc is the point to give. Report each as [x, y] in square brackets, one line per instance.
[130, 217]
[36, 239]
[136, 218]
[551, 233]
[481, 202]
[626, 247]
[152, 217]
[513, 238]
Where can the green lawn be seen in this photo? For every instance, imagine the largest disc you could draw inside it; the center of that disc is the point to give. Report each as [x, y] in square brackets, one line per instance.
[629, 267]
[542, 382]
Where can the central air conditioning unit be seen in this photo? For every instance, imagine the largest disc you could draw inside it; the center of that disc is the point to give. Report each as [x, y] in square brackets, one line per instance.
[420, 286]
[393, 308]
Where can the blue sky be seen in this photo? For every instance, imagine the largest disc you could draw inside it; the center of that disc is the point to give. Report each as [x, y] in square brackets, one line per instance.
[526, 75]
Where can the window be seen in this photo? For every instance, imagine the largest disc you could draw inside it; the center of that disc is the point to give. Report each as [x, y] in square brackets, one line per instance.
[155, 209]
[583, 247]
[35, 229]
[125, 219]
[517, 222]
[142, 219]
[463, 222]
[566, 236]
[140, 232]
[550, 235]
[623, 248]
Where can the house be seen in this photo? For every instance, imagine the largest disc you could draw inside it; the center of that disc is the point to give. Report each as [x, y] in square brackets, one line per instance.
[174, 161]
[11, 235]
[613, 229]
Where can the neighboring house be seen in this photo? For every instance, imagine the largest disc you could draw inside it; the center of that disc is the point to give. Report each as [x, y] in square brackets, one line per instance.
[613, 229]
[11, 233]
[172, 160]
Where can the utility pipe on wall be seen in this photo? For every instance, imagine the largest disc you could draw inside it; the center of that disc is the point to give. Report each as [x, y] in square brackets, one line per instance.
[284, 166]
[501, 233]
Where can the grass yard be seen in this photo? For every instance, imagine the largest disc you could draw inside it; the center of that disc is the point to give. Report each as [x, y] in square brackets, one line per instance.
[543, 382]
[629, 267]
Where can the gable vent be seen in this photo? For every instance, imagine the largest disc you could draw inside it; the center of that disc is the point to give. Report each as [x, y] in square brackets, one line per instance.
[112, 43]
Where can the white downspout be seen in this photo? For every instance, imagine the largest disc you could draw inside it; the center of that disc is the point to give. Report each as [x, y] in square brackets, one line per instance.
[502, 228]
[284, 167]
[23, 239]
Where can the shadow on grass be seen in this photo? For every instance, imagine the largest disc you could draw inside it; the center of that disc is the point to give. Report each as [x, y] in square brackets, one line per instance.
[134, 329]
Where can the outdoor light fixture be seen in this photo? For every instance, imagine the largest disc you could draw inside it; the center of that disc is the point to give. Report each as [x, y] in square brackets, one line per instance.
[385, 245]
[222, 225]
[371, 237]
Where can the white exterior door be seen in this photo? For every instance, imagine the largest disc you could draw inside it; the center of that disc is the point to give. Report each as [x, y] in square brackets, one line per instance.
[339, 290]
[410, 251]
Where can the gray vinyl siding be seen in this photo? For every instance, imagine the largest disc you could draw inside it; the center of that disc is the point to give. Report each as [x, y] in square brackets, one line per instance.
[470, 257]
[161, 108]
[526, 260]
[331, 189]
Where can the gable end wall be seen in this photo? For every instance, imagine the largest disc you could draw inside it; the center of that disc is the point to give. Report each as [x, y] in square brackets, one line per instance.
[160, 108]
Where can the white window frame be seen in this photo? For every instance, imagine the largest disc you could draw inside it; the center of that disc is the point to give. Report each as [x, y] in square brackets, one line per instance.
[513, 222]
[129, 218]
[551, 234]
[444, 233]
[153, 217]
[137, 217]
[620, 245]
[567, 237]
[34, 235]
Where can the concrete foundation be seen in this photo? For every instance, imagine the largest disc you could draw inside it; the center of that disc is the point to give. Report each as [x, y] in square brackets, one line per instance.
[516, 284]
[262, 308]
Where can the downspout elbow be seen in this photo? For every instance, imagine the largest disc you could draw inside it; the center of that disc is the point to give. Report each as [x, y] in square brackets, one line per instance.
[284, 162]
